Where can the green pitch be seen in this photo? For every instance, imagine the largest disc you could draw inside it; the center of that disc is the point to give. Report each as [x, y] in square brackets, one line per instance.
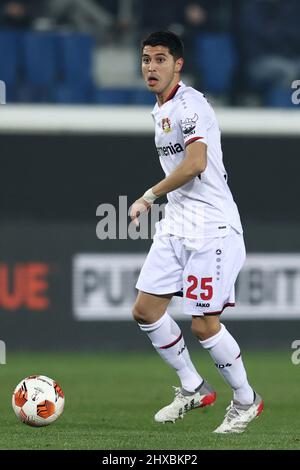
[111, 400]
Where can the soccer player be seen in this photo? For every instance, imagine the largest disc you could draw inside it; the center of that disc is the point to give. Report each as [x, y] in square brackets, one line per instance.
[198, 246]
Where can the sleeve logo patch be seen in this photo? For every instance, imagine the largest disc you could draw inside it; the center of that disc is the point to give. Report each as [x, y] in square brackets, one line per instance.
[189, 124]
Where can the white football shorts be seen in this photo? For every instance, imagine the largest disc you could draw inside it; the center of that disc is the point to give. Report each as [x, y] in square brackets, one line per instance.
[203, 272]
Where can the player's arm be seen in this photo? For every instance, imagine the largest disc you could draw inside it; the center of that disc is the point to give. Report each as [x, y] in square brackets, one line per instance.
[192, 165]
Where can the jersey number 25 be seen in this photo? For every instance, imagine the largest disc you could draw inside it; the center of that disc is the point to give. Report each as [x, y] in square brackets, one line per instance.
[205, 286]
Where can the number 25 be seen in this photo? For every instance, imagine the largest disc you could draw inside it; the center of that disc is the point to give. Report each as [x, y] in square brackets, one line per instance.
[205, 286]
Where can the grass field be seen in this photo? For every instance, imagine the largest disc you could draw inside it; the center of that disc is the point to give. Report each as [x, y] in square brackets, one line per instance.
[111, 400]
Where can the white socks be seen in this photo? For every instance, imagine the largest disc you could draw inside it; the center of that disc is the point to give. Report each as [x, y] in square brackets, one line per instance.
[226, 355]
[168, 341]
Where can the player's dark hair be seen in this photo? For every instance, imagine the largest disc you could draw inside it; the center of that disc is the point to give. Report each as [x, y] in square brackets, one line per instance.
[166, 39]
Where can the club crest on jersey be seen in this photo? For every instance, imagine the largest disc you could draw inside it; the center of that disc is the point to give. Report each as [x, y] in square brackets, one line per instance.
[189, 124]
[166, 125]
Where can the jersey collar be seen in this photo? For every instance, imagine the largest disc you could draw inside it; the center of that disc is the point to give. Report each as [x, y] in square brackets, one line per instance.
[172, 92]
[170, 96]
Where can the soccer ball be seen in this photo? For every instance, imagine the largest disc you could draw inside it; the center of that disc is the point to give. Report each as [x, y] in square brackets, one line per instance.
[38, 400]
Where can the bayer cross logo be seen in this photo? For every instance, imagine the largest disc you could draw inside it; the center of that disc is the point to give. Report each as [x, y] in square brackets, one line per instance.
[2, 92]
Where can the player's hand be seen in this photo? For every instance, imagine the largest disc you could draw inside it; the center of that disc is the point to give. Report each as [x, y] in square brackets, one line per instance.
[137, 208]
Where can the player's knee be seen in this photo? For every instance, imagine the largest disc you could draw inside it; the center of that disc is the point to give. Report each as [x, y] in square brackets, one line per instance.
[203, 328]
[139, 313]
[199, 329]
[144, 314]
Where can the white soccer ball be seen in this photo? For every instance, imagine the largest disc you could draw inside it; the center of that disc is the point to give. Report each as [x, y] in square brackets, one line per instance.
[38, 400]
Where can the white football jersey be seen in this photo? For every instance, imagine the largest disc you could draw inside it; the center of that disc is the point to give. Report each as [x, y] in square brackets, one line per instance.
[203, 207]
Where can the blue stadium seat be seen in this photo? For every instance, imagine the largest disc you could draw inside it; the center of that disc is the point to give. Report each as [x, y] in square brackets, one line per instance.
[143, 97]
[40, 62]
[75, 58]
[9, 60]
[116, 96]
[26, 93]
[279, 98]
[216, 57]
[71, 94]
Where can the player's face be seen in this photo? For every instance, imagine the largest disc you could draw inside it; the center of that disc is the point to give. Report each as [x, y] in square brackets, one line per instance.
[160, 69]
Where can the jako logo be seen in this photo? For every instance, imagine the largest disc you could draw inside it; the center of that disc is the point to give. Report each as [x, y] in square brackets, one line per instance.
[181, 350]
[24, 286]
[221, 366]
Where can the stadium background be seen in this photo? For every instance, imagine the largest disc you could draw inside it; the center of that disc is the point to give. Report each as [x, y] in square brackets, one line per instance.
[76, 132]
[60, 160]
[51, 186]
